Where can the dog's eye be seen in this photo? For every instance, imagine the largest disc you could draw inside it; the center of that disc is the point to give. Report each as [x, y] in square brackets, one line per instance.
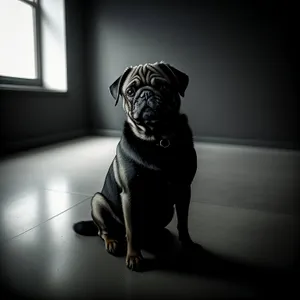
[130, 92]
[163, 87]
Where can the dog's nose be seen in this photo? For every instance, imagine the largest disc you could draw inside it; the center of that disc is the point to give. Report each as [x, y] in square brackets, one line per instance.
[146, 94]
[152, 103]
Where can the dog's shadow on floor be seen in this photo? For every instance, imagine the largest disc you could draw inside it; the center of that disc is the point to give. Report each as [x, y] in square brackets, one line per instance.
[171, 257]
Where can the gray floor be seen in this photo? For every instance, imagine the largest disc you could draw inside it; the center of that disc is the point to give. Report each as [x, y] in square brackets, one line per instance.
[244, 213]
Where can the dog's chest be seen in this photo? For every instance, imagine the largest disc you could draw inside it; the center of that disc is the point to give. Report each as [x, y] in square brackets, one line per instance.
[154, 186]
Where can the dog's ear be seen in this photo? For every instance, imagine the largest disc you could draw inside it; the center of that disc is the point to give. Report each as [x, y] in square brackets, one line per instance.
[116, 87]
[181, 79]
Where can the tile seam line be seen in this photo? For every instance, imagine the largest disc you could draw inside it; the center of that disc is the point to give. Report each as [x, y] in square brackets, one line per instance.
[64, 192]
[8, 240]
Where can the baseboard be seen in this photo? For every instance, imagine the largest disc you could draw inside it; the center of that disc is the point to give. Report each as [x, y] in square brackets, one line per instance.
[21, 145]
[107, 132]
[249, 142]
[9, 147]
[219, 140]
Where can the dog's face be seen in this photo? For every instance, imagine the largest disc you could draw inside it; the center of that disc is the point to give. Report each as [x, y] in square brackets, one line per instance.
[151, 94]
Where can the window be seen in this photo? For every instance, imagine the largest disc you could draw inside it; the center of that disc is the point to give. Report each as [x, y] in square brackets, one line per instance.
[20, 42]
[33, 48]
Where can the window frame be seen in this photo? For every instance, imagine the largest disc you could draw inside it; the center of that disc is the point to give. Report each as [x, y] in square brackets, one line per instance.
[9, 80]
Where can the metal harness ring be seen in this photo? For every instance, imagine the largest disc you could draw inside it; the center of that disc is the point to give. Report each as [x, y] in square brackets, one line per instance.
[165, 143]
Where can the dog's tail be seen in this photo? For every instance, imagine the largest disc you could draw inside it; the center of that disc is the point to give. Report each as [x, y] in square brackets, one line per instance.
[87, 228]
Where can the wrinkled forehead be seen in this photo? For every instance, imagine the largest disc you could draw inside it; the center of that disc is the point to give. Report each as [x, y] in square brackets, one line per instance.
[145, 74]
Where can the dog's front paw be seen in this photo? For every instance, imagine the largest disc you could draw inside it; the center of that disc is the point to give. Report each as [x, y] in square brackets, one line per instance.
[134, 261]
[114, 247]
[111, 246]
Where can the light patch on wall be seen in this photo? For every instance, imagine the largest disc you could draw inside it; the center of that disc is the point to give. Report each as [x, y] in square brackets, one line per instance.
[54, 58]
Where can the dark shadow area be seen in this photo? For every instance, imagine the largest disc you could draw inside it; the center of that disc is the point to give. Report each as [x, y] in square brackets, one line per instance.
[197, 261]
[171, 257]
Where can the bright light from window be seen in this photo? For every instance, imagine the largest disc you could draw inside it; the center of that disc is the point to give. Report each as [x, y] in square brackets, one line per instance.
[17, 40]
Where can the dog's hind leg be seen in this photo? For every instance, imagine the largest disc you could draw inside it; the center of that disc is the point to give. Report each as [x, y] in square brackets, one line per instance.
[110, 229]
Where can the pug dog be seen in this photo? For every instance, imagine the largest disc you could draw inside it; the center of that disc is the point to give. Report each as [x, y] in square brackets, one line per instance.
[155, 163]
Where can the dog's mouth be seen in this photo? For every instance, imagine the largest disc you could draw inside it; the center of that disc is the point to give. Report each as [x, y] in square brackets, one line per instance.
[157, 123]
[152, 111]
[143, 113]
[149, 117]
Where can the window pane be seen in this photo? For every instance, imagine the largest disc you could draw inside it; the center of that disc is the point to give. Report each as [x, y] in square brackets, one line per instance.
[17, 49]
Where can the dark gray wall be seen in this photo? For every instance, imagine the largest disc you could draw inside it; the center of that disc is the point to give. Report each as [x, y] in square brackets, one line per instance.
[34, 118]
[239, 56]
